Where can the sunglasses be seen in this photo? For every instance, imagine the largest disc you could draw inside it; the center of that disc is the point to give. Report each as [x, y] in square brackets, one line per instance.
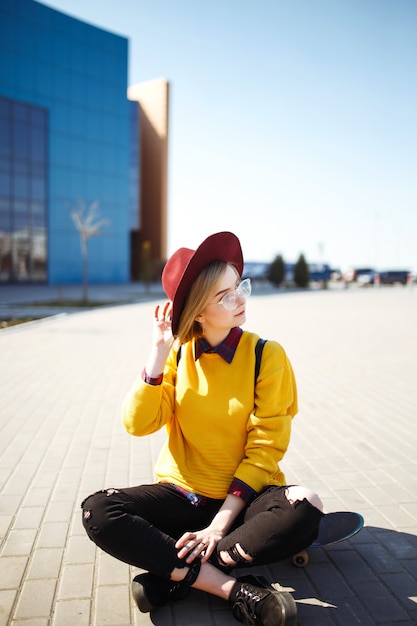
[231, 300]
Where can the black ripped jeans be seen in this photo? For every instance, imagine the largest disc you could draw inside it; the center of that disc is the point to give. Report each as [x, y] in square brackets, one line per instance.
[140, 525]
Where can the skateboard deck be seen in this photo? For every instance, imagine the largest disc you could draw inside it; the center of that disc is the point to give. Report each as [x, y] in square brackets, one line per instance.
[334, 528]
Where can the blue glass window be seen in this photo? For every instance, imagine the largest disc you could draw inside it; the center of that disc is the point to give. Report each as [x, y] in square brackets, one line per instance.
[5, 184]
[5, 138]
[23, 192]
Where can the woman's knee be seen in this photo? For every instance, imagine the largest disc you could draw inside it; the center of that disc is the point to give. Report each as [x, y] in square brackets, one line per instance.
[299, 493]
[95, 511]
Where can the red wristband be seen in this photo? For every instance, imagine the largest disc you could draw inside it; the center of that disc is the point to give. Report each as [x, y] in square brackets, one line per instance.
[152, 381]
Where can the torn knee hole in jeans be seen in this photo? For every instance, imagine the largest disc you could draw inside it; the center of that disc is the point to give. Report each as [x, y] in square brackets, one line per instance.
[108, 492]
[87, 514]
[235, 555]
[296, 494]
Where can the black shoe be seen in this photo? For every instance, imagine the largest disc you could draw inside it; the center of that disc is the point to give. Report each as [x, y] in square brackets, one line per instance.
[150, 591]
[261, 605]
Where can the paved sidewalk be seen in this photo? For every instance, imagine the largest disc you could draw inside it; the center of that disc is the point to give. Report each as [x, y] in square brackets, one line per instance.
[354, 440]
[36, 301]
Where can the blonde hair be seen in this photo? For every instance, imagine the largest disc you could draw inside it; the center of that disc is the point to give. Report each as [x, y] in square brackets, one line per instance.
[200, 293]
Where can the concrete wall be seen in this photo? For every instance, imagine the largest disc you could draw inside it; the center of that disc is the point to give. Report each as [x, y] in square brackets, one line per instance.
[153, 99]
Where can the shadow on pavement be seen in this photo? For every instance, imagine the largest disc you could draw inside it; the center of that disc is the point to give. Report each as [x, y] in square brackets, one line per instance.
[372, 574]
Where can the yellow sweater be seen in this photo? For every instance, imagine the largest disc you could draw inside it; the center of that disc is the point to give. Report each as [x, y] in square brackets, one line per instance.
[219, 427]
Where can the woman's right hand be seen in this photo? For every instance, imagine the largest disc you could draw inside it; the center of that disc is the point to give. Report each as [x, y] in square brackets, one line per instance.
[162, 340]
[162, 330]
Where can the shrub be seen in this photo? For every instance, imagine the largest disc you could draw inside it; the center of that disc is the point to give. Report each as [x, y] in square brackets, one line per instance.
[301, 272]
[276, 272]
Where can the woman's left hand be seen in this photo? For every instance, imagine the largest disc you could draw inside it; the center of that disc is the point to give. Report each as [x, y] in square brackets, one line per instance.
[199, 544]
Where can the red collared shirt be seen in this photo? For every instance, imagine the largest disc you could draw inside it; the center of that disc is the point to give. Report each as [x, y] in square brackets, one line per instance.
[226, 349]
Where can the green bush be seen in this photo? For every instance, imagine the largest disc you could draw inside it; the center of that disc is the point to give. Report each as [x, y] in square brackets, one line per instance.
[276, 272]
[301, 272]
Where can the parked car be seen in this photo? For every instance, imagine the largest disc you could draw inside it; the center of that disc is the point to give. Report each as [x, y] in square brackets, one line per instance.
[319, 272]
[391, 277]
[364, 276]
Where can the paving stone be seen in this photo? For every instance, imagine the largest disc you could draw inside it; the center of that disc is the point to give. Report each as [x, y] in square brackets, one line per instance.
[113, 605]
[36, 599]
[5, 523]
[45, 563]
[380, 559]
[76, 582]
[79, 550]
[11, 571]
[37, 496]
[29, 517]
[328, 582]
[19, 542]
[7, 598]
[351, 565]
[403, 587]
[351, 611]
[53, 535]
[72, 613]
[59, 510]
[383, 607]
[113, 572]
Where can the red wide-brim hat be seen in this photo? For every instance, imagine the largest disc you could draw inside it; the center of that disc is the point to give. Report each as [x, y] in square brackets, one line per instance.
[183, 267]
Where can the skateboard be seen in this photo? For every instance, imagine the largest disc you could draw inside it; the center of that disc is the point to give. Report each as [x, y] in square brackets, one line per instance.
[334, 528]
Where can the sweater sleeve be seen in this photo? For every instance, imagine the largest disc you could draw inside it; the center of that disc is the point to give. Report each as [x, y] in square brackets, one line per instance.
[147, 408]
[269, 425]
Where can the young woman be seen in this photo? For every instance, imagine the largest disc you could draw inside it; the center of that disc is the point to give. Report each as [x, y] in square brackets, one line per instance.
[220, 500]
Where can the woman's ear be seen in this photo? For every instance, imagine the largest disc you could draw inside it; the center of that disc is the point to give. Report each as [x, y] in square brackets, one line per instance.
[200, 318]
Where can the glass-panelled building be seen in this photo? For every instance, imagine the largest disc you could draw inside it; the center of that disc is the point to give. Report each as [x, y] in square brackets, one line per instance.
[68, 137]
[23, 189]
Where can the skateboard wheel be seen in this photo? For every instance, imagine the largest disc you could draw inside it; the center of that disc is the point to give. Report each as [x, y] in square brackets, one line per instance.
[300, 559]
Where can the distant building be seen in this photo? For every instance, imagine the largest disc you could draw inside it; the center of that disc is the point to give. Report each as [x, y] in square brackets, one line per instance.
[153, 107]
[69, 132]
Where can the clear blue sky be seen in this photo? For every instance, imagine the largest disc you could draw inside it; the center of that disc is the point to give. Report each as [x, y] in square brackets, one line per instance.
[292, 123]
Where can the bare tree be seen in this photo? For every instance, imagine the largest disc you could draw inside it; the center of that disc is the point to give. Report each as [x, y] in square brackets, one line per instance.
[87, 222]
